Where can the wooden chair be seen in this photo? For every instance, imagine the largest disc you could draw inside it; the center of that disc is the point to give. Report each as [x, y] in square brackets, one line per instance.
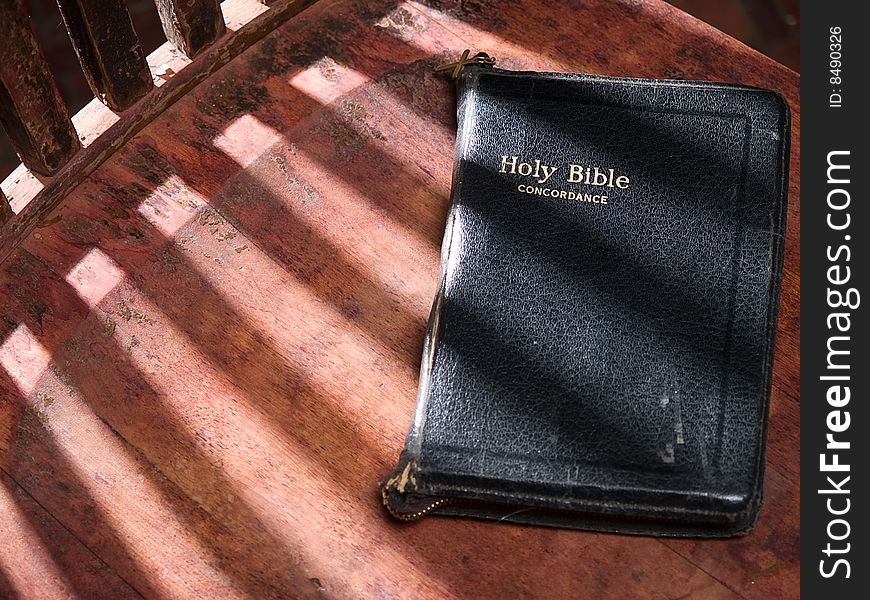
[214, 286]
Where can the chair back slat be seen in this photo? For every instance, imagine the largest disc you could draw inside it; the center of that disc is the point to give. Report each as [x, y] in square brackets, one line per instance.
[5, 208]
[31, 109]
[108, 49]
[58, 153]
[191, 24]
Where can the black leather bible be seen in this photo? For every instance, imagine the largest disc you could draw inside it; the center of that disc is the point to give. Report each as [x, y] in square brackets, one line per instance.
[599, 351]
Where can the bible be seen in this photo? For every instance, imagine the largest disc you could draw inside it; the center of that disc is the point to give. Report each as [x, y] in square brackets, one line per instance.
[599, 351]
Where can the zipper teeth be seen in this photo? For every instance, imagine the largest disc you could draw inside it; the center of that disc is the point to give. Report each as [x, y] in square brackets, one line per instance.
[471, 502]
[415, 515]
[406, 478]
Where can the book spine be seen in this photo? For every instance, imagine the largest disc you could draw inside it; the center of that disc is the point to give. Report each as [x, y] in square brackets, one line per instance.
[466, 88]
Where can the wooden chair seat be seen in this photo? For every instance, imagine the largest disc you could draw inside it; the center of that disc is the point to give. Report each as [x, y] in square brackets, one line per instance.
[209, 349]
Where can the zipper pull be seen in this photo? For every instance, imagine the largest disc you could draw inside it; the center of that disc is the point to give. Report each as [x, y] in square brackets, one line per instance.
[481, 58]
[401, 498]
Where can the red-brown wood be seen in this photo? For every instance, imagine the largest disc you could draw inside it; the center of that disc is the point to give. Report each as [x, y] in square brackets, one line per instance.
[102, 132]
[42, 559]
[5, 208]
[108, 48]
[31, 109]
[209, 351]
[191, 24]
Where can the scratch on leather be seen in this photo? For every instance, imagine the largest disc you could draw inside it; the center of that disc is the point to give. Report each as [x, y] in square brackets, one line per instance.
[667, 453]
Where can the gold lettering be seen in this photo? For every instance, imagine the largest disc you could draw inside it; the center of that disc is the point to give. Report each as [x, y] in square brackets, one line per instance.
[575, 173]
[547, 173]
[596, 176]
[599, 180]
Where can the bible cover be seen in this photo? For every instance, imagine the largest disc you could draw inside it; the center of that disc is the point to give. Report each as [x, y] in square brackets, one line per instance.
[599, 350]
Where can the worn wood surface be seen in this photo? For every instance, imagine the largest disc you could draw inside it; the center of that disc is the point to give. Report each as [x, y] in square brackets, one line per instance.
[209, 351]
[102, 132]
[108, 48]
[5, 208]
[31, 109]
[191, 24]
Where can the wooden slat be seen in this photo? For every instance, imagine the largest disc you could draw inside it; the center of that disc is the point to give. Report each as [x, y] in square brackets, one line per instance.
[5, 208]
[191, 24]
[249, 22]
[31, 109]
[43, 559]
[108, 49]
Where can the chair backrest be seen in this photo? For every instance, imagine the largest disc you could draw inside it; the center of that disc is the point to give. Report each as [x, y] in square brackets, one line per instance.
[58, 152]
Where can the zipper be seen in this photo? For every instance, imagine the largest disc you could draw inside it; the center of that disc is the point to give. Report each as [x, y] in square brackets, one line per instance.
[405, 482]
[415, 516]
[455, 67]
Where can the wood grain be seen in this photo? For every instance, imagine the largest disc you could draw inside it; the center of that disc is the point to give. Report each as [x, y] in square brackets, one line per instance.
[108, 48]
[31, 109]
[210, 349]
[34, 199]
[5, 208]
[42, 559]
[191, 25]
